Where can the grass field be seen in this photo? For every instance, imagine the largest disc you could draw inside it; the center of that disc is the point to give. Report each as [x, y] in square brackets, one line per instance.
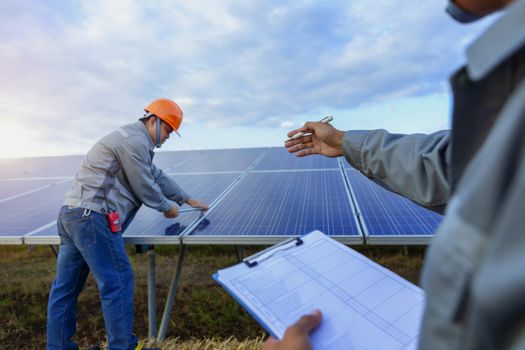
[204, 315]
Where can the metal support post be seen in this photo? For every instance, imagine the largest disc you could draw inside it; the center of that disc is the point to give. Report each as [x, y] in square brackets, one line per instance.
[171, 296]
[152, 294]
[55, 250]
[239, 251]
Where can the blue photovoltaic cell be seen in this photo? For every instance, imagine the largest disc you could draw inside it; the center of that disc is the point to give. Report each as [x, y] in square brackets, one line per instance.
[389, 214]
[207, 188]
[210, 160]
[278, 158]
[283, 204]
[25, 214]
[40, 167]
[10, 188]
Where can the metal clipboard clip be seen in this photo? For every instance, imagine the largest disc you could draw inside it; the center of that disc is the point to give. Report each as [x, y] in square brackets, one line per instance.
[254, 259]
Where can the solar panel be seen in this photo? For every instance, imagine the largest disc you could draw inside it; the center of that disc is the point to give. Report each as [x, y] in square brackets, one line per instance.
[388, 217]
[205, 187]
[168, 160]
[27, 213]
[266, 207]
[278, 158]
[10, 189]
[65, 166]
[225, 160]
[282, 196]
[150, 226]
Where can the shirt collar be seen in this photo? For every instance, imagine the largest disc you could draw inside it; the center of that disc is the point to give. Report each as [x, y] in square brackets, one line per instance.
[142, 127]
[505, 36]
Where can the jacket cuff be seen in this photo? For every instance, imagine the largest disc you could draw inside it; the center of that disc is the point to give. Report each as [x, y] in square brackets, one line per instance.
[352, 144]
[165, 205]
[181, 198]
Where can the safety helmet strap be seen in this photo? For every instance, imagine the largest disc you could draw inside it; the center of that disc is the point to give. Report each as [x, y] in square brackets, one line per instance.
[157, 139]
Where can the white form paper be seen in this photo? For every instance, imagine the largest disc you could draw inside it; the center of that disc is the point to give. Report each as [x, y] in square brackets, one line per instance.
[364, 305]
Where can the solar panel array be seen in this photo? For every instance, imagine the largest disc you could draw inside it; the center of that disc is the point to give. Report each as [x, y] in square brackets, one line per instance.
[256, 196]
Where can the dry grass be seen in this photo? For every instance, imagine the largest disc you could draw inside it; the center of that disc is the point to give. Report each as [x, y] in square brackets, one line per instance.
[208, 344]
[205, 344]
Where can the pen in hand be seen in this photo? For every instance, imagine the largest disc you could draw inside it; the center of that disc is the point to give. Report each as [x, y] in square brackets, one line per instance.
[327, 119]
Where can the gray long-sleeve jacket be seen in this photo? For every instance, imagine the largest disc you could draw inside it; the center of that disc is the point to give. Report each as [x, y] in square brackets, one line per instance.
[118, 174]
[474, 273]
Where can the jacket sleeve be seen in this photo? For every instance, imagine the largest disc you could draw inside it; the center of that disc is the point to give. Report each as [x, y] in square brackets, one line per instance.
[169, 187]
[415, 166]
[136, 163]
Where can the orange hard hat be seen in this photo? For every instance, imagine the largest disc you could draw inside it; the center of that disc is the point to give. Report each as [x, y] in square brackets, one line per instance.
[167, 110]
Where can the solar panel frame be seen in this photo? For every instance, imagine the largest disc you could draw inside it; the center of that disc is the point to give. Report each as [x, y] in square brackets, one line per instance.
[6, 239]
[45, 234]
[11, 240]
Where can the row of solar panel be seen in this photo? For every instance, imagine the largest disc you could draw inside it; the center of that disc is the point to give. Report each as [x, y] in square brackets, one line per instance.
[207, 161]
[258, 196]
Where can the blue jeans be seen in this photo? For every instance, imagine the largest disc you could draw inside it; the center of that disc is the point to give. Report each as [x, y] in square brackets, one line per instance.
[86, 243]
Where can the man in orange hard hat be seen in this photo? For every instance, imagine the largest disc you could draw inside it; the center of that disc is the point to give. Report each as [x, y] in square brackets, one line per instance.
[116, 177]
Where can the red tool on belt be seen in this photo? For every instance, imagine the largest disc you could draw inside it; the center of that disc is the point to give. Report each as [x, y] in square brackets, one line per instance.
[114, 221]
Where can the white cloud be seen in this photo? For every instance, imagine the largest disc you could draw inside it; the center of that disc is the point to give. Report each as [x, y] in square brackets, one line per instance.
[73, 70]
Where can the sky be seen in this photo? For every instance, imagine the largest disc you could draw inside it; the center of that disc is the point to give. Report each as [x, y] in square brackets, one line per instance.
[243, 72]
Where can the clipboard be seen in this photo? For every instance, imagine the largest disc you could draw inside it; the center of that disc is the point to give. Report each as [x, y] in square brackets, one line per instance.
[364, 305]
[251, 311]
[267, 253]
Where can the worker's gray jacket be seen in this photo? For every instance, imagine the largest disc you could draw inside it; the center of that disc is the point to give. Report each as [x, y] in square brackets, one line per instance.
[474, 273]
[118, 174]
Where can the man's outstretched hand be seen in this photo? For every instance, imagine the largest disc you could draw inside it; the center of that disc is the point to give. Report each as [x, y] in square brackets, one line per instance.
[324, 139]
